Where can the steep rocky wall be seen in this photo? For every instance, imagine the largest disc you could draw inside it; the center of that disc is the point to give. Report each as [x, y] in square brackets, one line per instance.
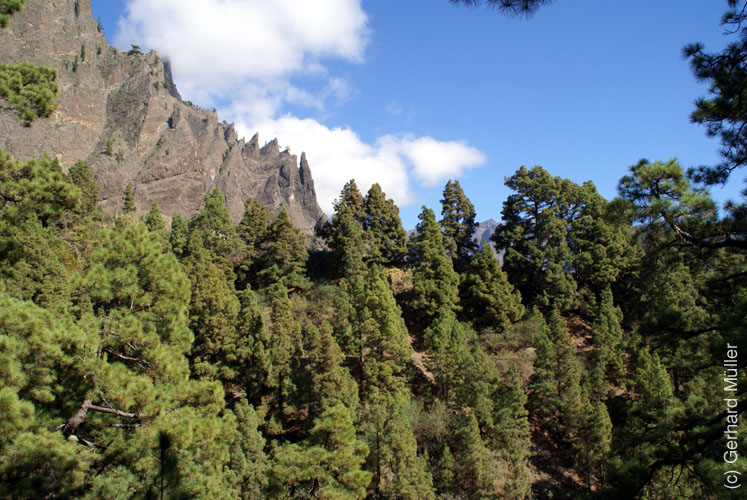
[122, 114]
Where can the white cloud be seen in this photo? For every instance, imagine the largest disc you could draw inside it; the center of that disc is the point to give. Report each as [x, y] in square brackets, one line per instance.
[435, 161]
[219, 46]
[337, 155]
[241, 56]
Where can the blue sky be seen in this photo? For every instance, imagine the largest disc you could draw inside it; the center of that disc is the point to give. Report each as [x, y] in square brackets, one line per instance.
[412, 93]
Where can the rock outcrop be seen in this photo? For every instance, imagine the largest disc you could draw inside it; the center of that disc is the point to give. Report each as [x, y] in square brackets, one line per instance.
[121, 113]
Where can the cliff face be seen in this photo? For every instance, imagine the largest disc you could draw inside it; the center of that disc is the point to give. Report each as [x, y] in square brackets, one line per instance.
[121, 113]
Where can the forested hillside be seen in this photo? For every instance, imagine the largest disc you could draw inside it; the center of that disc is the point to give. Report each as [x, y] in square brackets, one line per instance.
[148, 357]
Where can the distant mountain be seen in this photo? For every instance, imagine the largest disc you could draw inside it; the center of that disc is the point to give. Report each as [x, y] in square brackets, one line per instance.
[483, 232]
[121, 113]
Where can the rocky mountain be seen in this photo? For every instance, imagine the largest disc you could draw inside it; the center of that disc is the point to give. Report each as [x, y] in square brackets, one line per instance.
[121, 113]
[484, 231]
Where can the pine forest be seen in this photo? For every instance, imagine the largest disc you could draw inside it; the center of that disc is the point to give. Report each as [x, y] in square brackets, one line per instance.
[582, 352]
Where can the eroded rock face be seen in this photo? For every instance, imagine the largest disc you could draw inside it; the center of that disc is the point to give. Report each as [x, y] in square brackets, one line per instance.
[122, 114]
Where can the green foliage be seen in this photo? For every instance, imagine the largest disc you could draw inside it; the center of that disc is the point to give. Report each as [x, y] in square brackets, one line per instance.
[250, 357]
[179, 236]
[608, 337]
[344, 235]
[382, 345]
[435, 283]
[486, 296]
[398, 471]
[346, 242]
[154, 220]
[474, 474]
[35, 188]
[218, 232]
[34, 263]
[128, 201]
[451, 360]
[560, 249]
[249, 463]
[284, 253]
[722, 113]
[384, 234]
[213, 313]
[31, 89]
[126, 373]
[330, 381]
[510, 7]
[80, 175]
[327, 465]
[458, 224]
[7, 8]
[351, 201]
[285, 353]
[445, 477]
[42, 464]
[252, 228]
[512, 434]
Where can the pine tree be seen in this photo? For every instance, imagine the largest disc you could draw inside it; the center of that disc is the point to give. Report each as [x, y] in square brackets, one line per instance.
[7, 8]
[330, 381]
[154, 220]
[381, 335]
[458, 225]
[285, 354]
[179, 236]
[131, 307]
[435, 284]
[557, 397]
[513, 434]
[449, 357]
[35, 188]
[34, 263]
[594, 443]
[384, 234]
[35, 460]
[219, 233]
[80, 175]
[285, 255]
[155, 224]
[351, 201]
[534, 237]
[474, 477]
[346, 243]
[327, 465]
[398, 471]
[252, 228]
[32, 90]
[132, 301]
[445, 477]
[543, 384]
[600, 244]
[252, 358]
[213, 313]
[487, 298]
[128, 201]
[608, 337]
[249, 463]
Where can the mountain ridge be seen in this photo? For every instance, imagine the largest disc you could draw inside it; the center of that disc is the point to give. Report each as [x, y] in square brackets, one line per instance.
[122, 114]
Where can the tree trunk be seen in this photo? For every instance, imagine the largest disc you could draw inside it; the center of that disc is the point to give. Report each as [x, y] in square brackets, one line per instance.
[73, 422]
